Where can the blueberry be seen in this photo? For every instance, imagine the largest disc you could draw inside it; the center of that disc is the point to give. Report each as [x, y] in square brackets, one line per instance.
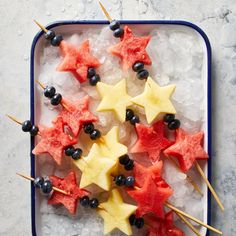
[34, 130]
[69, 151]
[49, 91]
[77, 154]
[95, 134]
[174, 124]
[26, 126]
[50, 34]
[114, 25]
[143, 74]
[56, 99]
[132, 219]
[168, 118]
[124, 159]
[129, 114]
[38, 182]
[118, 33]
[94, 80]
[93, 203]
[46, 187]
[56, 40]
[138, 66]
[88, 128]
[91, 72]
[119, 180]
[84, 201]
[129, 181]
[139, 223]
[129, 165]
[134, 120]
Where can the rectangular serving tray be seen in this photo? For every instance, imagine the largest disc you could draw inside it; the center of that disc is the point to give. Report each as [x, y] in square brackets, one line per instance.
[70, 27]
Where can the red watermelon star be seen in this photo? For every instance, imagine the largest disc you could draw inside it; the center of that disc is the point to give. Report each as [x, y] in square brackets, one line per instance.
[187, 149]
[162, 227]
[150, 197]
[53, 140]
[141, 172]
[68, 184]
[76, 113]
[77, 60]
[151, 139]
[131, 49]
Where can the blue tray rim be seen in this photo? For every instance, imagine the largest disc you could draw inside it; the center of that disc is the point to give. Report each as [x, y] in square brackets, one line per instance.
[103, 22]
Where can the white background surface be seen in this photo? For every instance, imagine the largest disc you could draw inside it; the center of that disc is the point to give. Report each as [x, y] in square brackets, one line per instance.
[216, 17]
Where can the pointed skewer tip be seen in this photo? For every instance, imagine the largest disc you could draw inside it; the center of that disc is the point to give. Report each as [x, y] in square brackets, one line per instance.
[105, 11]
[40, 26]
[14, 119]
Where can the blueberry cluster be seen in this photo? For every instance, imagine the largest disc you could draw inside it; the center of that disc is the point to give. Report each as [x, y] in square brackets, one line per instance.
[171, 122]
[138, 222]
[89, 129]
[28, 127]
[55, 40]
[131, 117]
[74, 153]
[55, 98]
[118, 32]
[92, 76]
[85, 202]
[126, 162]
[44, 185]
[121, 180]
[141, 72]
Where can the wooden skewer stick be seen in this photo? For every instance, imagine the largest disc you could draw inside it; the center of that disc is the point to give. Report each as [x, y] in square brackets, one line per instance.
[32, 179]
[105, 12]
[192, 218]
[41, 26]
[40, 84]
[14, 119]
[209, 186]
[188, 224]
[189, 179]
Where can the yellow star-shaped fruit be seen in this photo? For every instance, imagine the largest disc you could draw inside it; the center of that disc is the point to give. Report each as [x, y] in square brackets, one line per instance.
[116, 213]
[96, 169]
[110, 146]
[114, 98]
[155, 100]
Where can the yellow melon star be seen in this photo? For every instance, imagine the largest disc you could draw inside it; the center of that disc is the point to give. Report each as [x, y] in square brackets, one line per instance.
[110, 146]
[155, 100]
[96, 169]
[116, 213]
[114, 98]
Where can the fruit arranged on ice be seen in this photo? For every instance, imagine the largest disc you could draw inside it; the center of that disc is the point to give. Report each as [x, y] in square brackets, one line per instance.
[53, 140]
[114, 98]
[155, 99]
[131, 49]
[68, 184]
[151, 139]
[162, 227]
[151, 197]
[76, 114]
[110, 146]
[116, 213]
[96, 169]
[187, 148]
[77, 60]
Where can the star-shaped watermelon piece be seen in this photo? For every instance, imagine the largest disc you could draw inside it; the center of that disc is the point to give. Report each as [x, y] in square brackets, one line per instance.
[131, 49]
[151, 197]
[162, 227]
[151, 139]
[53, 140]
[187, 149]
[68, 184]
[77, 60]
[141, 172]
[76, 113]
